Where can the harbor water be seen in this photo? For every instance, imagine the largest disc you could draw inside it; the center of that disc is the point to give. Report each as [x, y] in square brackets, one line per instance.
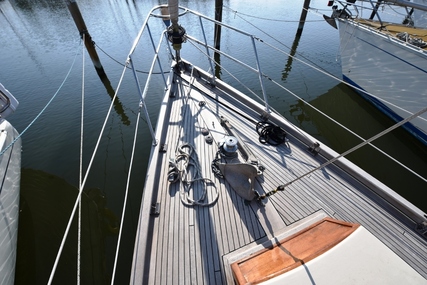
[41, 46]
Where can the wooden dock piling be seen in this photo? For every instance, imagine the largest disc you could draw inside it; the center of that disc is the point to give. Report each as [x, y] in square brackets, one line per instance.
[90, 45]
[218, 17]
[303, 16]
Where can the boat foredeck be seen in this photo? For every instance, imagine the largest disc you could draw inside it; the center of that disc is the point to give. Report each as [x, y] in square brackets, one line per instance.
[181, 244]
[394, 29]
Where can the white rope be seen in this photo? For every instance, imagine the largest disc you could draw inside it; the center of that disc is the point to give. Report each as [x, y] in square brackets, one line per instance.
[269, 19]
[189, 39]
[79, 230]
[45, 107]
[353, 133]
[84, 180]
[180, 166]
[334, 77]
[360, 145]
[324, 72]
[126, 195]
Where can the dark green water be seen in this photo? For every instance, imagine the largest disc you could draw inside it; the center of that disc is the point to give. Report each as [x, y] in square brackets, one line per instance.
[39, 42]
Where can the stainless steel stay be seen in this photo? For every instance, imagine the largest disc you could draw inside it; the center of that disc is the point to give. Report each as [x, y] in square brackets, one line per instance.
[145, 26]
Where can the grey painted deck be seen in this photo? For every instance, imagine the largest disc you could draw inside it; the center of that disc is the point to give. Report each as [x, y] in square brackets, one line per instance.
[188, 244]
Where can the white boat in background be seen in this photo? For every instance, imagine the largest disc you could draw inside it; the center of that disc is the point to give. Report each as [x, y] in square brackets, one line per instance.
[383, 48]
[10, 175]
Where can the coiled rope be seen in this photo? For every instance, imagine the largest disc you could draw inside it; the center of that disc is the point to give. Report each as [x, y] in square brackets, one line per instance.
[180, 169]
[270, 133]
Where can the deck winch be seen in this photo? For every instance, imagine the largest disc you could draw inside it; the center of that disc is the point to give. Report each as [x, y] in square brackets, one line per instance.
[229, 145]
[236, 163]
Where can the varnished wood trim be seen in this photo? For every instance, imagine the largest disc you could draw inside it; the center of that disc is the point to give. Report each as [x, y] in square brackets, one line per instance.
[292, 251]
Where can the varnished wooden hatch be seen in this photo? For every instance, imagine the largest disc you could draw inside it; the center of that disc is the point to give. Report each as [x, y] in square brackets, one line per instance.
[292, 252]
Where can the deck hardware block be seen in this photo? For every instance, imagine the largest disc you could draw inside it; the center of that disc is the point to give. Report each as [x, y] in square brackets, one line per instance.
[314, 148]
[155, 209]
[163, 147]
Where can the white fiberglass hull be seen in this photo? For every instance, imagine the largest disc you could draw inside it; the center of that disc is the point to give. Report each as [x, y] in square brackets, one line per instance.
[10, 175]
[388, 69]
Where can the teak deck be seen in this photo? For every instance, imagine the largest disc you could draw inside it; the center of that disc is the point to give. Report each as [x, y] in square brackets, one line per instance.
[179, 244]
[394, 29]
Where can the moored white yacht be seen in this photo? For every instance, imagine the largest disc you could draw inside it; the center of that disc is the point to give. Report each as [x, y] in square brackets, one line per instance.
[383, 52]
[10, 175]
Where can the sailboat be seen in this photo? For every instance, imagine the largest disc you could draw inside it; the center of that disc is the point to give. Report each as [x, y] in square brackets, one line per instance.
[236, 194]
[10, 171]
[383, 52]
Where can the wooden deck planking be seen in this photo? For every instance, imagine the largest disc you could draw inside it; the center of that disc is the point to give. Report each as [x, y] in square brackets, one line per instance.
[255, 138]
[310, 181]
[244, 236]
[167, 246]
[189, 242]
[300, 210]
[208, 237]
[212, 212]
[249, 220]
[174, 232]
[167, 226]
[199, 248]
[374, 221]
[162, 225]
[207, 151]
[315, 185]
[171, 241]
[179, 263]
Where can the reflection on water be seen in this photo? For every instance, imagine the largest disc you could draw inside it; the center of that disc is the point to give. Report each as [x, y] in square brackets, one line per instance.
[46, 204]
[288, 66]
[361, 117]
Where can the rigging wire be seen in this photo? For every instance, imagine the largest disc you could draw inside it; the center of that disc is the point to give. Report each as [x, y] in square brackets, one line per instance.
[340, 80]
[369, 8]
[353, 133]
[281, 43]
[320, 69]
[268, 19]
[368, 141]
[47, 104]
[85, 179]
[123, 65]
[189, 39]
[126, 195]
[79, 231]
